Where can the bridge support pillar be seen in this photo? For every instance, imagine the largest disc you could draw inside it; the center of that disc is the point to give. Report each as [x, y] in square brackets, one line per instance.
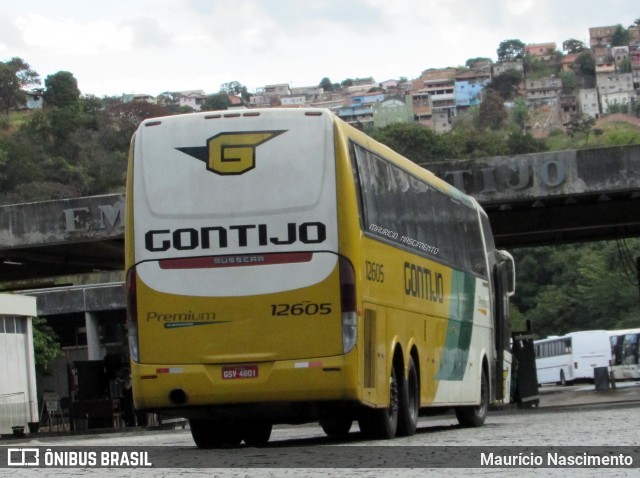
[93, 336]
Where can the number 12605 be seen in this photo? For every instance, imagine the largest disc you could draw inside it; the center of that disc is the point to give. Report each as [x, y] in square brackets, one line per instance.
[301, 308]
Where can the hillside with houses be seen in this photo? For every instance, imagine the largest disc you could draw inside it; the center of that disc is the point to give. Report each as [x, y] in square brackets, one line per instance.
[588, 81]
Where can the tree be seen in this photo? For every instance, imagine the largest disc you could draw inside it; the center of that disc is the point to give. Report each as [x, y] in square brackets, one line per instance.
[573, 46]
[569, 81]
[510, 50]
[46, 345]
[412, 140]
[524, 143]
[585, 68]
[620, 37]
[625, 66]
[520, 113]
[506, 84]
[218, 101]
[15, 76]
[577, 287]
[492, 111]
[581, 125]
[235, 88]
[326, 84]
[124, 119]
[61, 91]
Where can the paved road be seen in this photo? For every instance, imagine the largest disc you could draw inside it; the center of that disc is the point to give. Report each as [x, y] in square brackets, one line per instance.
[572, 416]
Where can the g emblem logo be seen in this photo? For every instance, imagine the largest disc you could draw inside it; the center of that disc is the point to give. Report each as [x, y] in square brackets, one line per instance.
[231, 153]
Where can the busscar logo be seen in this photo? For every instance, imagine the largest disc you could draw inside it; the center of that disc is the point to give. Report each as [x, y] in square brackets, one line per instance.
[231, 153]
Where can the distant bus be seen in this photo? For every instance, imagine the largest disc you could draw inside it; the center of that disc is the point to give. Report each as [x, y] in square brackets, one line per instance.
[625, 350]
[572, 356]
[283, 267]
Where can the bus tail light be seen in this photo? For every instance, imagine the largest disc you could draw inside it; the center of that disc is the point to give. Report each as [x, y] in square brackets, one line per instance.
[132, 315]
[348, 305]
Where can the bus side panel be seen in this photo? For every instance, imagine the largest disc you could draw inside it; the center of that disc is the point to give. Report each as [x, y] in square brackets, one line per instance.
[446, 313]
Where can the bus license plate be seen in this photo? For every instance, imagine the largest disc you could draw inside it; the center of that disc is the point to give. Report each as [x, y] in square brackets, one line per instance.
[238, 372]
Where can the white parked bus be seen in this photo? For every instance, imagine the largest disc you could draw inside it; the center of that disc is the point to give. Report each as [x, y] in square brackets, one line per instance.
[572, 356]
[625, 353]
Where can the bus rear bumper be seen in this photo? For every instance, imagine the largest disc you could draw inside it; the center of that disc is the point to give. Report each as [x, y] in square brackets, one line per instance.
[180, 388]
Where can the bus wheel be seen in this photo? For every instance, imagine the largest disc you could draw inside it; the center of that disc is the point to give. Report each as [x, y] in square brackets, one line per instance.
[336, 426]
[256, 433]
[409, 402]
[475, 416]
[382, 423]
[214, 433]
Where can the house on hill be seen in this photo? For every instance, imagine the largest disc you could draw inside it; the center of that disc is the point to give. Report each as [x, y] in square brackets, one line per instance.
[541, 51]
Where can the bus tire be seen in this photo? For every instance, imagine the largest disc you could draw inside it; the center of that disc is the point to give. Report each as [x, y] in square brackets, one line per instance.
[256, 433]
[475, 416]
[214, 433]
[382, 423]
[409, 402]
[337, 426]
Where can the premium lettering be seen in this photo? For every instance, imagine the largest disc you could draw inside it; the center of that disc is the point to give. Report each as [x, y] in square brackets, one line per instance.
[188, 316]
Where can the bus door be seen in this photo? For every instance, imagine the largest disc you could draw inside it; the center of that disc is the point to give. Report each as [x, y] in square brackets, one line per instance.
[504, 280]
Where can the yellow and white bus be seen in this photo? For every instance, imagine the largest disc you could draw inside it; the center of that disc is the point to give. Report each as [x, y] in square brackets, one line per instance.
[283, 267]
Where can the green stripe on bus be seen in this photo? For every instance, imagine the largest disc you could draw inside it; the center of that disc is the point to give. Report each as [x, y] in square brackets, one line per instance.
[458, 339]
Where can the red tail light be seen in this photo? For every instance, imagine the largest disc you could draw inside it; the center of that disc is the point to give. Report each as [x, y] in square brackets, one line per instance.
[348, 304]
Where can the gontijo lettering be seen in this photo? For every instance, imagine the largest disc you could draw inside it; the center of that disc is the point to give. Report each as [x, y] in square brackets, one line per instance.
[423, 283]
[242, 235]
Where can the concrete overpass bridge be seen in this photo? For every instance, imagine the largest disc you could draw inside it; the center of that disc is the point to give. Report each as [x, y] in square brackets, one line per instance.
[70, 253]
[554, 198]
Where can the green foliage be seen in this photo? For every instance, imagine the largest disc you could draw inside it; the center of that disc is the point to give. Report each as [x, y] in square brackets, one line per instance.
[520, 113]
[581, 125]
[236, 88]
[510, 50]
[219, 101]
[77, 148]
[523, 143]
[572, 46]
[412, 140]
[585, 68]
[46, 345]
[492, 111]
[61, 91]
[622, 137]
[15, 76]
[537, 68]
[569, 81]
[578, 287]
[506, 84]
[620, 37]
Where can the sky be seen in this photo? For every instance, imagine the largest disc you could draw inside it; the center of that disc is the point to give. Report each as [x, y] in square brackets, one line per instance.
[118, 47]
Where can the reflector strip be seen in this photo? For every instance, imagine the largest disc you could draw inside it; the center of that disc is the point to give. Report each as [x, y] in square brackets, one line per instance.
[235, 260]
[169, 370]
[307, 364]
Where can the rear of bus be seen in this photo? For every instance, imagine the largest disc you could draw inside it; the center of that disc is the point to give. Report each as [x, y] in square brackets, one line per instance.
[237, 294]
